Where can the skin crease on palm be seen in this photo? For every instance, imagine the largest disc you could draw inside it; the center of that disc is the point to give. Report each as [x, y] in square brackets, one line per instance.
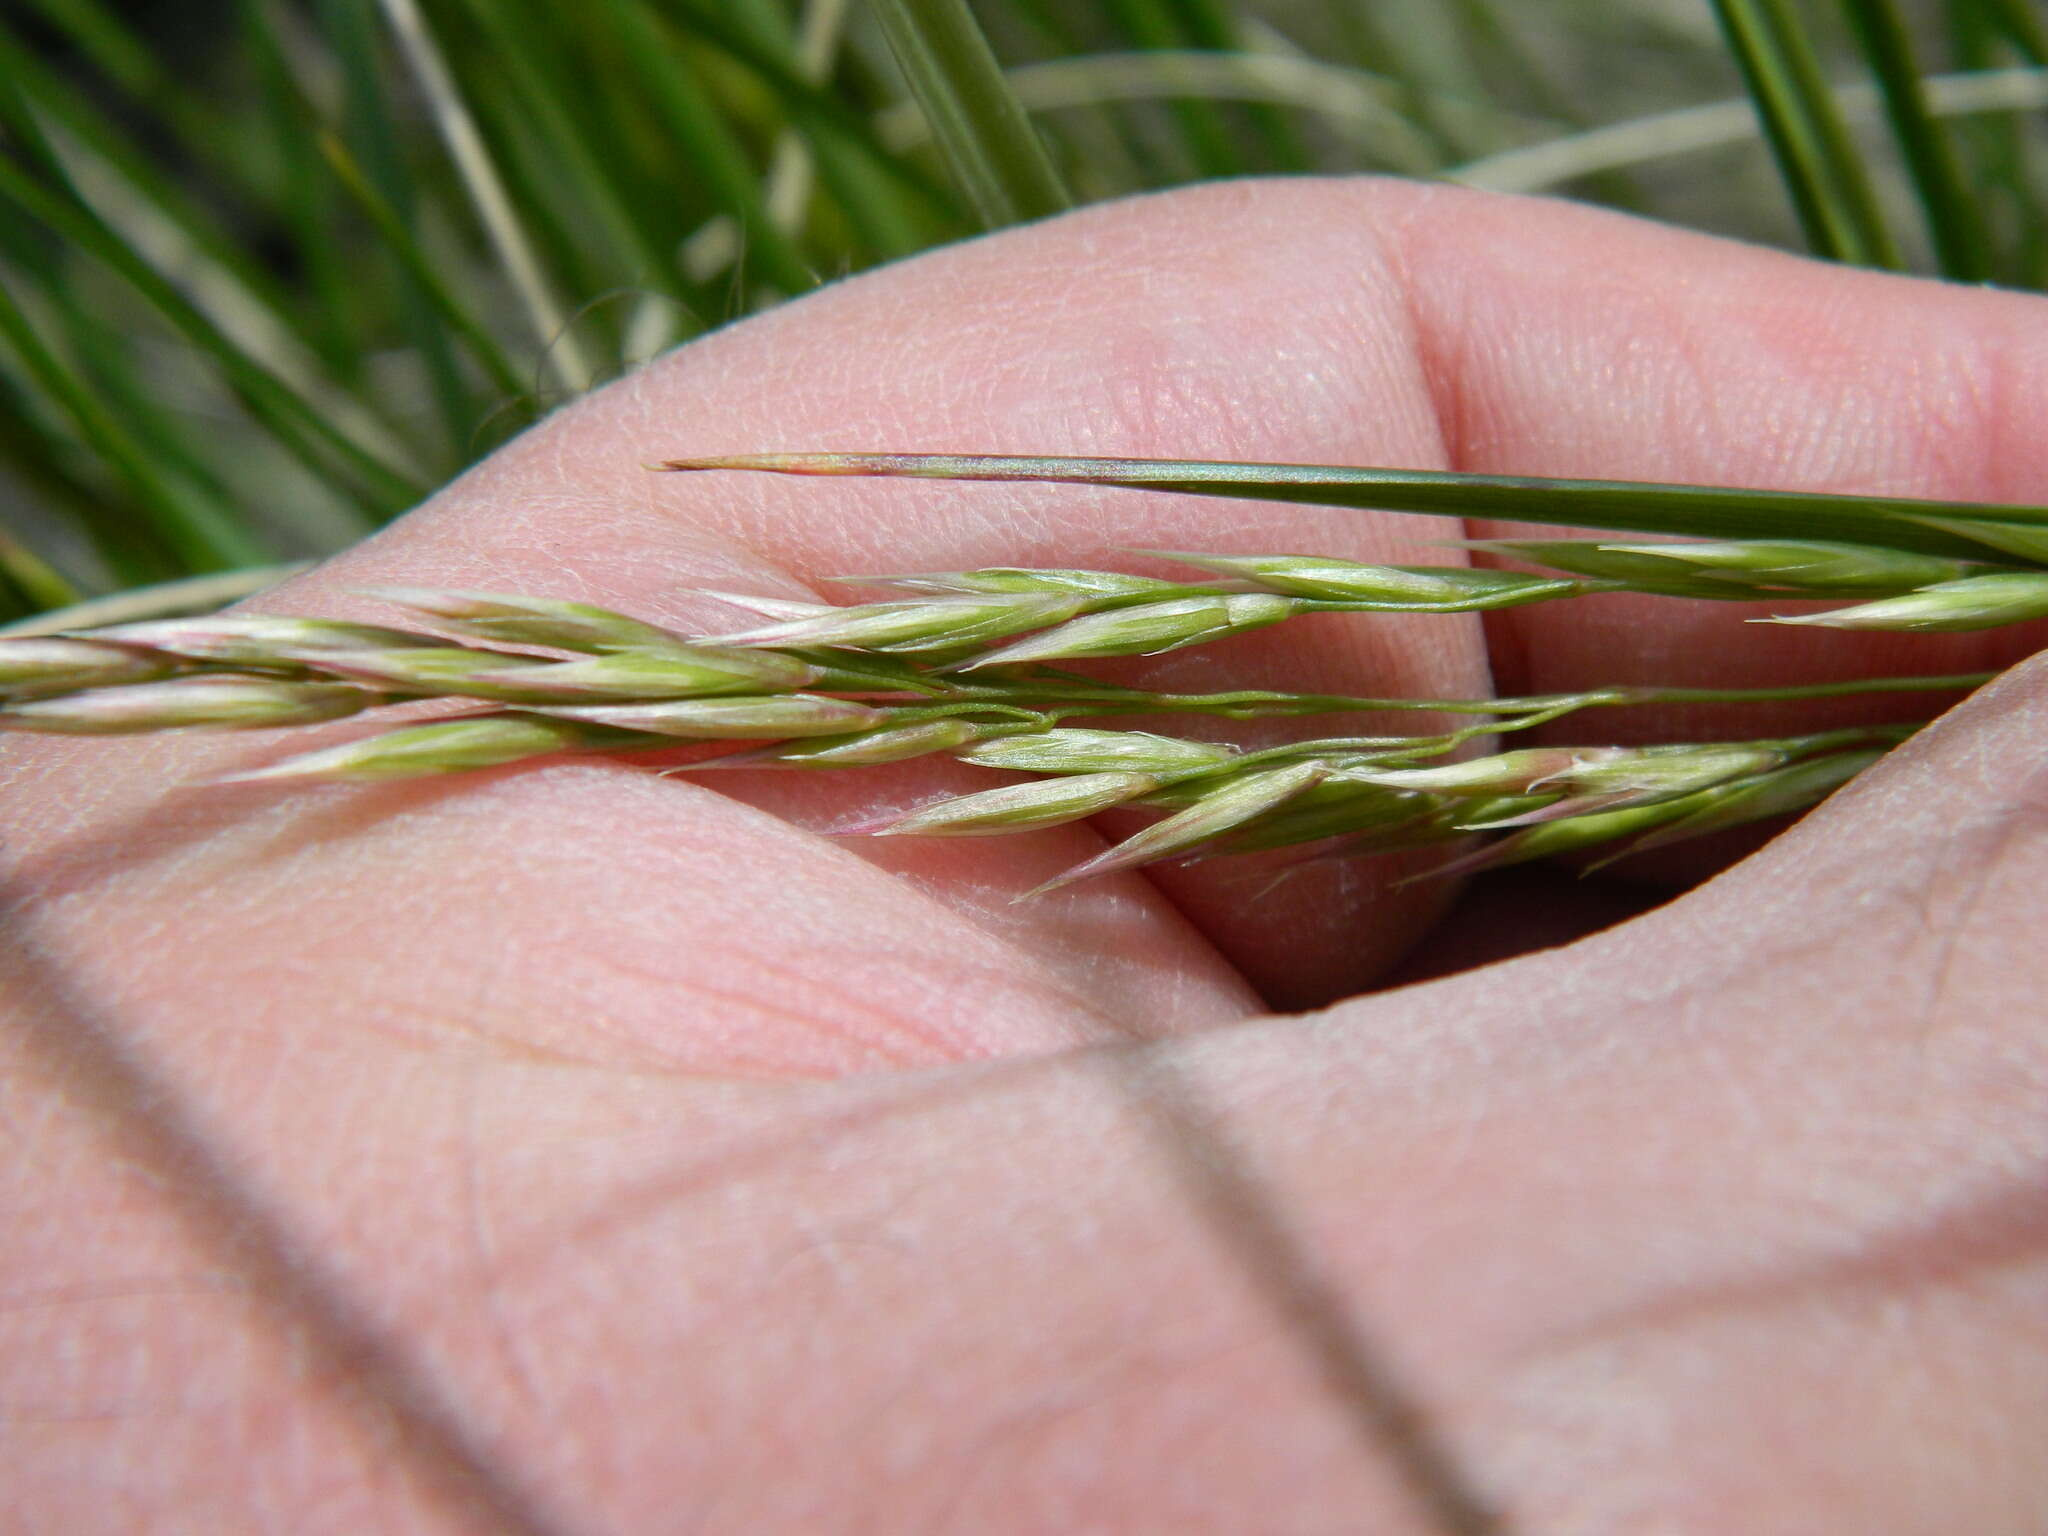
[573, 1149]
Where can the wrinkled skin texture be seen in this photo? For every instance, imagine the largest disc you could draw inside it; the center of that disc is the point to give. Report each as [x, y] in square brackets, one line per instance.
[570, 1149]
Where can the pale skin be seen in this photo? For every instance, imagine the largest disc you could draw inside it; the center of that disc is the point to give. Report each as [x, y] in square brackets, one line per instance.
[572, 1149]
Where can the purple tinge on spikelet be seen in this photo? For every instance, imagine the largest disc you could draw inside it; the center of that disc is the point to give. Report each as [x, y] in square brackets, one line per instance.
[744, 718]
[924, 624]
[188, 703]
[34, 665]
[271, 640]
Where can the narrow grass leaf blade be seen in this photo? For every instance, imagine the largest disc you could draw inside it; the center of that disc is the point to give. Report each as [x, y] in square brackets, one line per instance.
[425, 273]
[1211, 144]
[883, 194]
[493, 204]
[1212, 27]
[35, 585]
[299, 425]
[1714, 512]
[994, 153]
[48, 462]
[2029, 543]
[91, 132]
[177, 530]
[104, 37]
[377, 176]
[1954, 222]
[1816, 157]
[2021, 24]
[705, 142]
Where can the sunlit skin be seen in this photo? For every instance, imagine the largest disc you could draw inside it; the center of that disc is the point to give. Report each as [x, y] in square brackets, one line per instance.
[570, 1148]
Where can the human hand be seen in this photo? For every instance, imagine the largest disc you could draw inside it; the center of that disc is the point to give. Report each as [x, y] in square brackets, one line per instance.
[571, 1149]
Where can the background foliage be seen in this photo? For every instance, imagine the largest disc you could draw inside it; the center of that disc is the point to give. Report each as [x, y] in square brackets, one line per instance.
[271, 271]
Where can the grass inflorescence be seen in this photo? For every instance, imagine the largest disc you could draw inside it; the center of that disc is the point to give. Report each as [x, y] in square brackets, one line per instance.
[963, 664]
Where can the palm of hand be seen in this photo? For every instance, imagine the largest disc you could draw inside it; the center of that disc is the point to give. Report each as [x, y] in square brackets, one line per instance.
[578, 1150]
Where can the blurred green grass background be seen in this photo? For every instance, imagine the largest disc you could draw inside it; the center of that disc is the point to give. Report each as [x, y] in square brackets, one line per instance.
[272, 270]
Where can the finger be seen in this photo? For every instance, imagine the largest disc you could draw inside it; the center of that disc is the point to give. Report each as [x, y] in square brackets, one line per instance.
[1605, 346]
